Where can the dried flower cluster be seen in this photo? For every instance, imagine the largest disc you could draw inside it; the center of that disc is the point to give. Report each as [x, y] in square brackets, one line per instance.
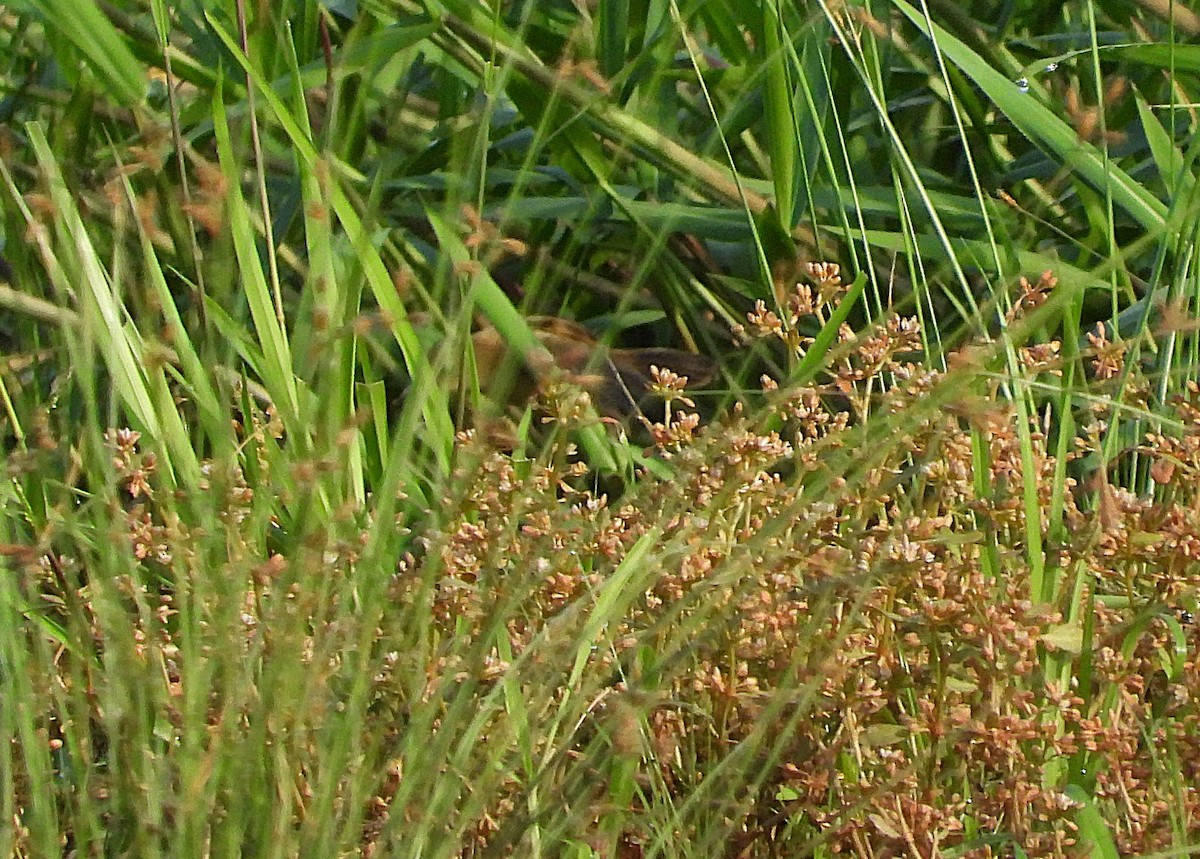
[860, 622]
[876, 624]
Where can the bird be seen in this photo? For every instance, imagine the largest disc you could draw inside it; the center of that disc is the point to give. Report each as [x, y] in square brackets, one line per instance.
[617, 379]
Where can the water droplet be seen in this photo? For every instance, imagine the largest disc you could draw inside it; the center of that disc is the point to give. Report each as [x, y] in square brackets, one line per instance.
[1023, 84]
[1050, 67]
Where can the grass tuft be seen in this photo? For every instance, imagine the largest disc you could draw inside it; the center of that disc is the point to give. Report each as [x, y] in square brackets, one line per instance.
[907, 566]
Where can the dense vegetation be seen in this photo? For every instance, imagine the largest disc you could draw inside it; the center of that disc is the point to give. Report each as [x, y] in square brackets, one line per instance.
[907, 565]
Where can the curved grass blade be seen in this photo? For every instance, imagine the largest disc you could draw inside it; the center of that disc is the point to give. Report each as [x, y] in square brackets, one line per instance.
[276, 369]
[84, 26]
[143, 393]
[1046, 130]
[428, 394]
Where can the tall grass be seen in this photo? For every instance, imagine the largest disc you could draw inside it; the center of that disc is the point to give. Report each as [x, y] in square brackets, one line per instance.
[924, 586]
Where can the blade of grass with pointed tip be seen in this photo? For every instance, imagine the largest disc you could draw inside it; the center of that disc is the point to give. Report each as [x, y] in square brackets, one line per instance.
[1093, 827]
[425, 390]
[337, 301]
[1170, 163]
[814, 358]
[144, 394]
[276, 369]
[213, 418]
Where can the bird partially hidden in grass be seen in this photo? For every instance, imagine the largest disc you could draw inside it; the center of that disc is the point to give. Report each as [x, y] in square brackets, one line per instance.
[618, 380]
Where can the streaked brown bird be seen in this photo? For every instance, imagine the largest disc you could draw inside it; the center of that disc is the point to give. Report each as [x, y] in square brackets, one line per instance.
[617, 379]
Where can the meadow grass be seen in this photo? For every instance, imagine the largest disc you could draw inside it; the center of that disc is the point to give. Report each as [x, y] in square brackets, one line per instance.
[921, 581]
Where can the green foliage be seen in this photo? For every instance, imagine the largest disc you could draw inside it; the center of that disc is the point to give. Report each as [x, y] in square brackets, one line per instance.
[258, 597]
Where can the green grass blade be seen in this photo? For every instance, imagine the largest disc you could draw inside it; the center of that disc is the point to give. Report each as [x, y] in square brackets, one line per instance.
[780, 125]
[84, 26]
[1045, 129]
[148, 401]
[1094, 828]
[277, 372]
